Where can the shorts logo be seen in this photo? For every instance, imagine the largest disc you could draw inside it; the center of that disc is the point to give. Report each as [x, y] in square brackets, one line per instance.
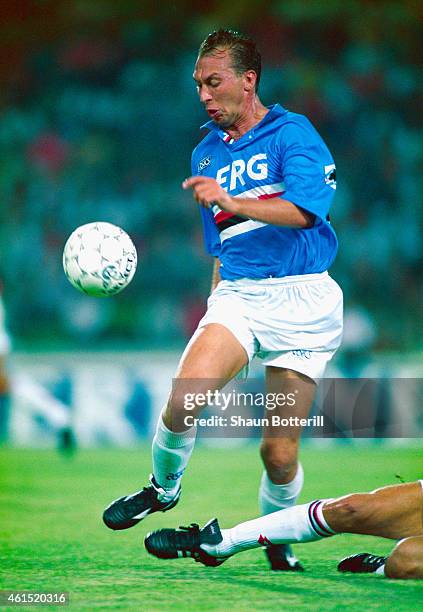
[204, 163]
[330, 176]
[302, 354]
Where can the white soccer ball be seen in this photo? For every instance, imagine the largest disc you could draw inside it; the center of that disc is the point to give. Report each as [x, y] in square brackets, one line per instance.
[99, 259]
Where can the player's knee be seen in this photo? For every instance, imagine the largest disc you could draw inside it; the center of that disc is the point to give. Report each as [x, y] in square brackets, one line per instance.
[180, 402]
[187, 397]
[406, 560]
[350, 512]
[180, 411]
[279, 458]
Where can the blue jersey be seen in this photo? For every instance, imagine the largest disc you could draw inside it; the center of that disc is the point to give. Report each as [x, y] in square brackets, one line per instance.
[282, 156]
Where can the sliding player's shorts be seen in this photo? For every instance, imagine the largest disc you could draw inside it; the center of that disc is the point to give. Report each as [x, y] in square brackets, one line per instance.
[293, 322]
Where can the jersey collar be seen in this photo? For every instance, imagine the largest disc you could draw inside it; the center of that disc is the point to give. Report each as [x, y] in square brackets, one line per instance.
[274, 110]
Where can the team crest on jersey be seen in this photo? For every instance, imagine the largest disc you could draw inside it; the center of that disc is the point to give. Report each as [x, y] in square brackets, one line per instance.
[204, 163]
[330, 176]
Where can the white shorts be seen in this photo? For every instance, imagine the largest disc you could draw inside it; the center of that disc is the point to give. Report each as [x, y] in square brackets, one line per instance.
[293, 322]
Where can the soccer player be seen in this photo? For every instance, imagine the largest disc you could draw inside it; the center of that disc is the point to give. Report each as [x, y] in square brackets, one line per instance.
[4, 376]
[394, 512]
[264, 180]
[29, 394]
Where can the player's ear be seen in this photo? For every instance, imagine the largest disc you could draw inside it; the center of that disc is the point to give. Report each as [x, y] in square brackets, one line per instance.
[250, 78]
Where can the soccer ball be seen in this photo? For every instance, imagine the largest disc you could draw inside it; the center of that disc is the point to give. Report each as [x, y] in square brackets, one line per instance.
[99, 259]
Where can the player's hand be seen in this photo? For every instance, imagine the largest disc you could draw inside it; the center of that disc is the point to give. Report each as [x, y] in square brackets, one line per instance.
[207, 192]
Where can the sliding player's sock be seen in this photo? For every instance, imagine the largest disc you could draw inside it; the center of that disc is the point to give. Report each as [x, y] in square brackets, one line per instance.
[171, 452]
[303, 523]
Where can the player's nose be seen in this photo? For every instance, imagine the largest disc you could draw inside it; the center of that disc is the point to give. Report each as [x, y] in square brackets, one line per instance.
[204, 94]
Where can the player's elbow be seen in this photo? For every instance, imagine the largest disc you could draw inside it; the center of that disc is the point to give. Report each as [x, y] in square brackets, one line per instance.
[303, 218]
[308, 220]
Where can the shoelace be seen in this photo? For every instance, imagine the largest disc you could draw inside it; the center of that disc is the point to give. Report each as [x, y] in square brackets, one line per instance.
[192, 530]
[188, 539]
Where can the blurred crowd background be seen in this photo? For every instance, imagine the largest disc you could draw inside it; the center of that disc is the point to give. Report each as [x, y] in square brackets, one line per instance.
[99, 115]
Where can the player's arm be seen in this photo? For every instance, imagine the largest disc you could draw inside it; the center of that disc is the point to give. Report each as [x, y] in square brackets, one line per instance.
[215, 274]
[275, 211]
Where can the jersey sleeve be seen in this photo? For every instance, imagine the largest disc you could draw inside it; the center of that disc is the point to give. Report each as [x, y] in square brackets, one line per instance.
[210, 232]
[308, 168]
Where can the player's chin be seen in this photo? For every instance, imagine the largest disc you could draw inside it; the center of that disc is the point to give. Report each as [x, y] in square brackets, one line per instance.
[224, 125]
[221, 120]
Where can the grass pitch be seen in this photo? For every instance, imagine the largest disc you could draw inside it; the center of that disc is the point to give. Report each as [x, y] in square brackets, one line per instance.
[53, 539]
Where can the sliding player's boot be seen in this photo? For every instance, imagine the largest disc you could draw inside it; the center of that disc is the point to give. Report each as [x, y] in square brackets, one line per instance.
[282, 559]
[186, 542]
[127, 511]
[362, 563]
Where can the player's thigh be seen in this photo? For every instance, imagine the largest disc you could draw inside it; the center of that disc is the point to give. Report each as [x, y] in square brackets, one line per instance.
[400, 508]
[406, 560]
[213, 352]
[212, 358]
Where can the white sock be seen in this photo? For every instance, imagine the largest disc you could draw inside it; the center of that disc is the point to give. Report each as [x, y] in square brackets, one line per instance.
[274, 497]
[380, 570]
[171, 452]
[303, 523]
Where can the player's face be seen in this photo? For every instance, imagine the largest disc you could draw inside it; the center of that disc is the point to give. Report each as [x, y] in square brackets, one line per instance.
[221, 90]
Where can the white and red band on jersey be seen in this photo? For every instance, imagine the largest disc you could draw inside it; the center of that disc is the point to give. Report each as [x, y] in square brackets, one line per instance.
[228, 138]
[230, 225]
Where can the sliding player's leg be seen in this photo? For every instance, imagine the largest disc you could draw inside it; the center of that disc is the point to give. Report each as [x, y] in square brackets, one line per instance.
[213, 356]
[392, 512]
[212, 545]
[406, 560]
